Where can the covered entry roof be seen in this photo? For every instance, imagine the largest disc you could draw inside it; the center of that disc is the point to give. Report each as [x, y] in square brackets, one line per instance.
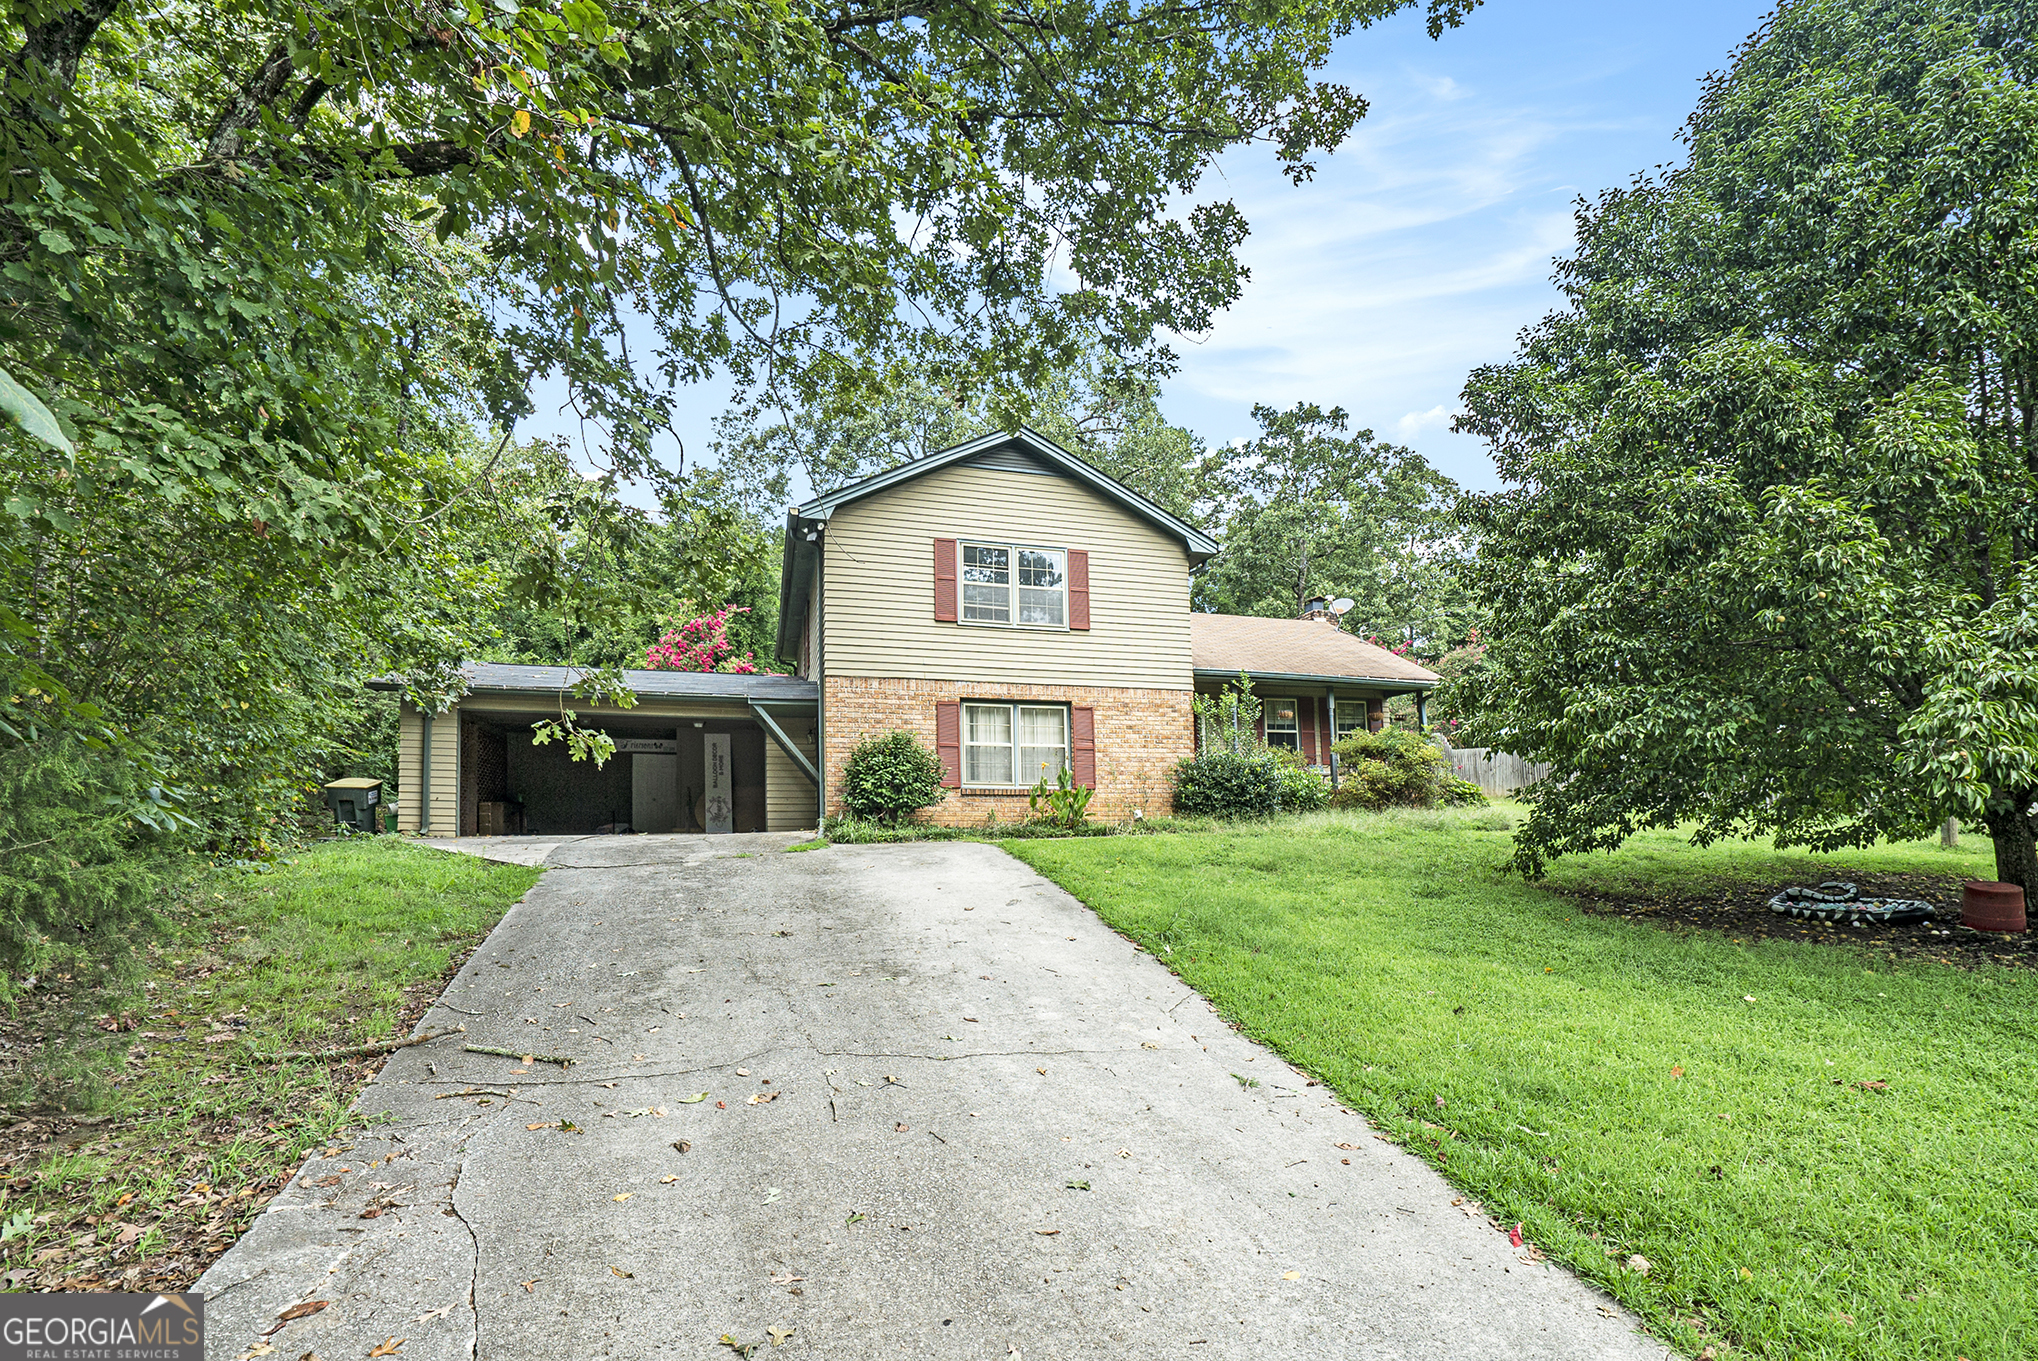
[1314, 651]
[501, 678]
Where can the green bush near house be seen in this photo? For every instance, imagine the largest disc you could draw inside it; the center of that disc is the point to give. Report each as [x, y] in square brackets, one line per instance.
[1231, 785]
[890, 778]
[1302, 790]
[1397, 769]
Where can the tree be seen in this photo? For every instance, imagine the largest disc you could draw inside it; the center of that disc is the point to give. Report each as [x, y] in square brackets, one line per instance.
[1767, 563]
[1307, 509]
[1097, 409]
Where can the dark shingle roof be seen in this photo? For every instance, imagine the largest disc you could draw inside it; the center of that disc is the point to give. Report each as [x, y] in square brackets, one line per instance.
[661, 684]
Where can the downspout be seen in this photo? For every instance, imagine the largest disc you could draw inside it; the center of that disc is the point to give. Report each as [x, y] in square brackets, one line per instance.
[821, 679]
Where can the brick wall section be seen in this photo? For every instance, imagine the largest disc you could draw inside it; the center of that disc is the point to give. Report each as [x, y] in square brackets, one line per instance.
[1140, 736]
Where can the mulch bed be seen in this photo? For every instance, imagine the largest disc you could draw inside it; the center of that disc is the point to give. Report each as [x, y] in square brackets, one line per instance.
[1742, 914]
[80, 1250]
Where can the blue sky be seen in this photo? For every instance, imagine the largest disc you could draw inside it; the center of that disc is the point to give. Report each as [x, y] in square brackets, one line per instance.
[1424, 244]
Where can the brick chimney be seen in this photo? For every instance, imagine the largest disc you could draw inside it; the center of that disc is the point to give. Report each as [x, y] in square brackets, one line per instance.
[1318, 608]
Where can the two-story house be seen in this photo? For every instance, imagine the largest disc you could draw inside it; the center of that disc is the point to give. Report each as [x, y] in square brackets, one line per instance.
[1014, 607]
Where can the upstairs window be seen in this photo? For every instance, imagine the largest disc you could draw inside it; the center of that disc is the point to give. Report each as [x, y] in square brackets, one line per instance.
[1015, 585]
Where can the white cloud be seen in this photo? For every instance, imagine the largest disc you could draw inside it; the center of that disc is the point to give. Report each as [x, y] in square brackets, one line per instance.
[1414, 423]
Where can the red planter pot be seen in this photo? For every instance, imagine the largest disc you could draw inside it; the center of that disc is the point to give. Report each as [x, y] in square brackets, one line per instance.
[1987, 905]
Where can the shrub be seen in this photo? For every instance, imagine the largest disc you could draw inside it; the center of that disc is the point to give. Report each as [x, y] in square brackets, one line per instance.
[1302, 789]
[1061, 804]
[1396, 769]
[890, 778]
[1228, 784]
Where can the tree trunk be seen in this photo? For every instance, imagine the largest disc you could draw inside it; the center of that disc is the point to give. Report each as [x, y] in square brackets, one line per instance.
[2016, 838]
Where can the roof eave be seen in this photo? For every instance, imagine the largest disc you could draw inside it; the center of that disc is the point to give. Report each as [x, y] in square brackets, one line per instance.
[1200, 546]
[1400, 684]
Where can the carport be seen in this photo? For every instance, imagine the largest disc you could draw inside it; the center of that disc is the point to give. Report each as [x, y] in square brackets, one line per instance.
[698, 752]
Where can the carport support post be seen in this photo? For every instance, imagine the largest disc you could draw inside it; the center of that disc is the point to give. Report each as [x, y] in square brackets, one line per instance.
[1422, 711]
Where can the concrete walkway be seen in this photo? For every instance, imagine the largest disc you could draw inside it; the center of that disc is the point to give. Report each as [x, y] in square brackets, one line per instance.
[947, 1113]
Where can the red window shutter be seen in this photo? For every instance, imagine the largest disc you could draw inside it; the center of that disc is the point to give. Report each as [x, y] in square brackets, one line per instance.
[1083, 747]
[948, 725]
[1079, 589]
[944, 581]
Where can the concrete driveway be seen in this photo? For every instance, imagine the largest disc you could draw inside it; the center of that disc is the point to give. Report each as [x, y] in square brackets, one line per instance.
[947, 1113]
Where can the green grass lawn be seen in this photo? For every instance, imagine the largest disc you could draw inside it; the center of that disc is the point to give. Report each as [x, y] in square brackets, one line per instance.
[141, 1138]
[1624, 1090]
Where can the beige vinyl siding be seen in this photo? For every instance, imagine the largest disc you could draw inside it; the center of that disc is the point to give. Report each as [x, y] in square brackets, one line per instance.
[445, 781]
[790, 801]
[879, 598]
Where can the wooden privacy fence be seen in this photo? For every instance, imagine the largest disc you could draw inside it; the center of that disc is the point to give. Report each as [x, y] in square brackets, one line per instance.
[1497, 773]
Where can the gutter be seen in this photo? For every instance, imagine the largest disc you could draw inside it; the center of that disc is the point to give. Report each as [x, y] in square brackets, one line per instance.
[1401, 685]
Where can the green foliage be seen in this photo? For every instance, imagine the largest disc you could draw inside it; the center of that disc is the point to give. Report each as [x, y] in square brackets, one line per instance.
[1230, 719]
[79, 872]
[1302, 790]
[1768, 565]
[1306, 509]
[26, 410]
[1584, 1065]
[1396, 768]
[1060, 802]
[1452, 705]
[1095, 408]
[1228, 784]
[891, 777]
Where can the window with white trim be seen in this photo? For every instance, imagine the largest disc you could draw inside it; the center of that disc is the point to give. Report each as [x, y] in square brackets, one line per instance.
[1283, 720]
[1351, 718]
[1010, 745]
[1005, 583]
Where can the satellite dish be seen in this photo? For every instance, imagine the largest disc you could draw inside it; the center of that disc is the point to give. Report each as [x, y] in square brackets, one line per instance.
[1341, 604]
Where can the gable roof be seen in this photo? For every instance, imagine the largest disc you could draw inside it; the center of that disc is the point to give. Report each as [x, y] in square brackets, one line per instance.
[1311, 650]
[1023, 450]
[1042, 450]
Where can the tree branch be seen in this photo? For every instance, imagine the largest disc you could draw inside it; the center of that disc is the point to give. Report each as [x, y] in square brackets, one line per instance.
[244, 110]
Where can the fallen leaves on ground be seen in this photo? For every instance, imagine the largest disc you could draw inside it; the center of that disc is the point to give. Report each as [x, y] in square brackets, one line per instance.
[761, 1097]
[626, 1275]
[1638, 1264]
[681, 1145]
[693, 1100]
[1291, 1275]
[740, 1348]
[624, 1196]
[1047, 1233]
[1514, 1236]
[440, 1312]
[779, 1335]
[388, 1346]
[529, 1286]
[305, 1310]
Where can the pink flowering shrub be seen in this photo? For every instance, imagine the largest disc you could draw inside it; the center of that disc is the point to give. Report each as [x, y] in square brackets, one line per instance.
[702, 644]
